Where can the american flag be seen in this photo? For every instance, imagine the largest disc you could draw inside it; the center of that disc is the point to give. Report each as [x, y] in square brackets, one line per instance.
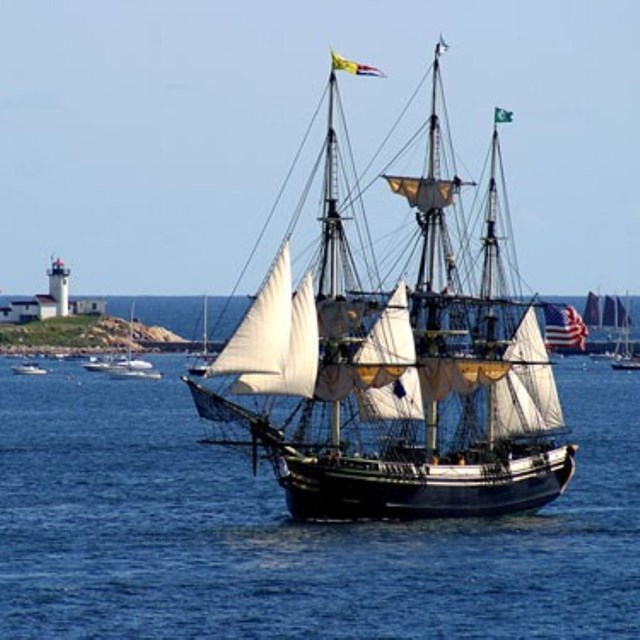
[564, 326]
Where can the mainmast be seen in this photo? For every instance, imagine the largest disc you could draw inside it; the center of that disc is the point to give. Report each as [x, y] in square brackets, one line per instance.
[435, 195]
[430, 222]
[437, 279]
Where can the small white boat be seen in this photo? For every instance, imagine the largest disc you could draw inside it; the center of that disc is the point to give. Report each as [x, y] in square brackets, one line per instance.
[110, 365]
[204, 359]
[626, 364]
[134, 374]
[29, 369]
[607, 356]
[98, 364]
[136, 364]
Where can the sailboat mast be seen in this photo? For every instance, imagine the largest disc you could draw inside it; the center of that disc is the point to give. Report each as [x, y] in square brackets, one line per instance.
[429, 228]
[204, 329]
[490, 241]
[428, 221]
[490, 275]
[332, 225]
[433, 120]
[129, 350]
[332, 230]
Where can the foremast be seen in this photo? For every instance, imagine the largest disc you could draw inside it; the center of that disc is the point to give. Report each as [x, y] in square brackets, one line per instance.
[330, 286]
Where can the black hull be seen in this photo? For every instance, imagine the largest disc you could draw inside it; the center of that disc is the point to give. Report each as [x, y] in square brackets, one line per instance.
[622, 366]
[323, 492]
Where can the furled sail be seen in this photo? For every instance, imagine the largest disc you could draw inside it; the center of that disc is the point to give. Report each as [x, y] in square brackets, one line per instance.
[381, 359]
[339, 317]
[398, 400]
[527, 400]
[298, 377]
[260, 344]
[442, 376]
[423, 193]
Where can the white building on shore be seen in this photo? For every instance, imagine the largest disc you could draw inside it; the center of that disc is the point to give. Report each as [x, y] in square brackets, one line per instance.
[54, 305]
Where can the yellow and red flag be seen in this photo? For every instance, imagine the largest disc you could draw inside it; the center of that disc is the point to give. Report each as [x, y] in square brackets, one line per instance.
[342, 64]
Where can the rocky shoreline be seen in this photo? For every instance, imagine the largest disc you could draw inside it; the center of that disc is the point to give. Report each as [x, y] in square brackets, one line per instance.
[107, 335]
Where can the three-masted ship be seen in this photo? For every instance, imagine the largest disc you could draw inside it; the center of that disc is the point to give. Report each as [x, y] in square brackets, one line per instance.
[432, 399]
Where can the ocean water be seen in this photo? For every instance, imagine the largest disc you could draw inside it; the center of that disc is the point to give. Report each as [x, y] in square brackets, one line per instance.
[116, 523]
[184, 315]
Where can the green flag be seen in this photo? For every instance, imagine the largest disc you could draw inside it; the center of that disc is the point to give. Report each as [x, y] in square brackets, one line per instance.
[502, 115]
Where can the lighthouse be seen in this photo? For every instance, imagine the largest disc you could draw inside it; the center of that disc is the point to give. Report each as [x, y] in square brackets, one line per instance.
[59, 286]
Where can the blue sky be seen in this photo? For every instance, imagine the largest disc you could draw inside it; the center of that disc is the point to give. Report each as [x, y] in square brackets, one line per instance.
[139, 139]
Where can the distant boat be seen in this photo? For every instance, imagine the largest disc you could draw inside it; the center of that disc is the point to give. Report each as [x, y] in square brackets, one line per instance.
[133, 363]
[134, 374]
[631, 364]
[625, 359]
[128, 362]
[626, 362]
[613, 317]
[591, 314]
[29, 369]
[607, 355]
[99, 364]
[204, 358]
[108, 365]
[403, 402]
[199, 369]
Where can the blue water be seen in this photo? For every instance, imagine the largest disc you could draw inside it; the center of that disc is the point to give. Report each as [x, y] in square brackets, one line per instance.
[116, 523]
[184, 315]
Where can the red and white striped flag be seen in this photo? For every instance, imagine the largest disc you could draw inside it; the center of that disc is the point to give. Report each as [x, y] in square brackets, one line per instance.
[564, 326]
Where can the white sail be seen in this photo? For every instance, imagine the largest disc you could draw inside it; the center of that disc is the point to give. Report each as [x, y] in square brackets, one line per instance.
[298, 377]
[390, 342]
[537, 378]
[515, 410]
[261, 343]
[392, 387]
[527, 399]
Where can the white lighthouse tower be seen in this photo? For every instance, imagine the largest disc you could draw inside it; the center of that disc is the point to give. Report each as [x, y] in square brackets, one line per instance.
[59, 286]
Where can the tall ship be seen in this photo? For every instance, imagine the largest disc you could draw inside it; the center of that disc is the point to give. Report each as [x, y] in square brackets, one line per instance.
[430, 397]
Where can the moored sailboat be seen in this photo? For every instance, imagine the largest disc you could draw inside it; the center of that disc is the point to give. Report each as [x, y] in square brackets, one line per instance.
[625, 358]
[28, 369]
[429, 400]
[203, 359]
